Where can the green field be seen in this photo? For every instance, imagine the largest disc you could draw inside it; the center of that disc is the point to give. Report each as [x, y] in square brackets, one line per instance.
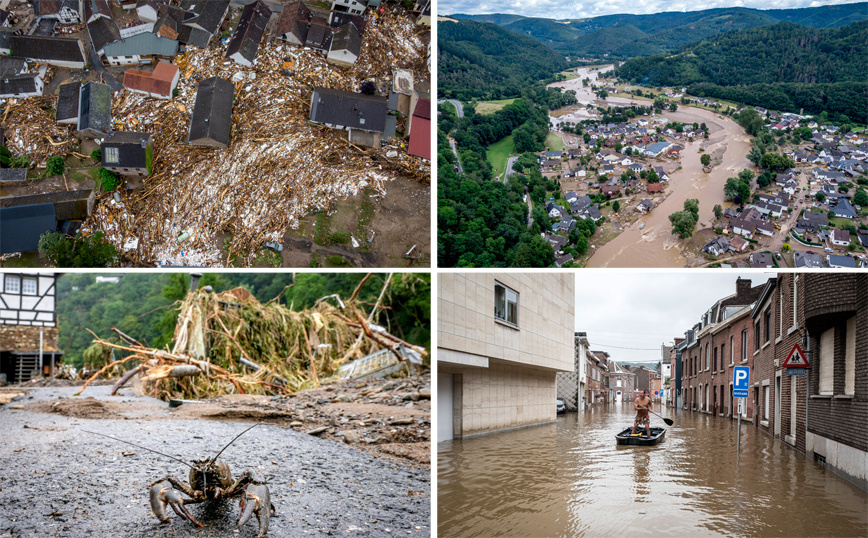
[490, 107]
[570, 74]
[554, 142]
[498, 154]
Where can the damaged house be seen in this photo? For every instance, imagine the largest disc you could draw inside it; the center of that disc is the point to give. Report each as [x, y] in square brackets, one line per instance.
[211, 121]
[66, 110]
[95, 110]
[29, 322]
[160, 83]
[64, 11]
[128, 154]
[207, 18]
[248, 34]
[363, 116]
[56, 51]
[346, 46]
[293, 23]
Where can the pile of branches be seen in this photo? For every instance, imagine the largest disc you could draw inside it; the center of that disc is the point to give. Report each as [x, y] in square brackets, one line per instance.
[31, 130]
[231, 343]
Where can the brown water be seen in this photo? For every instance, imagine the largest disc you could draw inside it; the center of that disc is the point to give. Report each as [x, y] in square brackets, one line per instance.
[654, 245]
[570, 479]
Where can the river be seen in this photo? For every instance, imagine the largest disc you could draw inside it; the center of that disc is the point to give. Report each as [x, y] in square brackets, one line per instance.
[569, 478]
[654, 245]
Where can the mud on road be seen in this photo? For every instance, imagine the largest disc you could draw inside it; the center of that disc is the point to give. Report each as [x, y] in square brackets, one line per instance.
[56, 480]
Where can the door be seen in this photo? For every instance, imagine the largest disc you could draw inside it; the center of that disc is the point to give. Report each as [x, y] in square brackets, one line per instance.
[444, 407]
[778, 406]
[618, 397]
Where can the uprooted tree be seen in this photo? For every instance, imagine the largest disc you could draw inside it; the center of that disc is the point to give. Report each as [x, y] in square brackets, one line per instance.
[230, 342]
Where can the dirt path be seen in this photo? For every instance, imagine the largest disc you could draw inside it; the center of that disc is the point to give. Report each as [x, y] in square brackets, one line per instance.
[57, 480]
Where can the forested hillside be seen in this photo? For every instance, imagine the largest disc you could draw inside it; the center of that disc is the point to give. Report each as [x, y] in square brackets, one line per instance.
[482, 60]
[140, 305]
[780, 66]
[624, 36]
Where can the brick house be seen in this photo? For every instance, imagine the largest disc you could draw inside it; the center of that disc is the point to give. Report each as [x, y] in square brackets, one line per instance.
[27, 312]
[835, 310]
[708, 383]
[622, 382]
[598, 371]
[732, 343]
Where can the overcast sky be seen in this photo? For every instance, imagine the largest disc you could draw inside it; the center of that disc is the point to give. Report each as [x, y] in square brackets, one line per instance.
[569, 9]
[644, 310]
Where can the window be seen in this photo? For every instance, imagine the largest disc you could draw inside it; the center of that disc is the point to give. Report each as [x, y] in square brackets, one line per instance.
[795, 298]
[722, 354]
[505, 304]
[111, 155]
[768, 321]
[619, 381]
[715, 361]
[744, 345]
[780, 312]
[13, 284]
[731, 350]
[850, 358]
[28, 286]
[707, 358]
[766, 403]
[827, 361]
[756, 335]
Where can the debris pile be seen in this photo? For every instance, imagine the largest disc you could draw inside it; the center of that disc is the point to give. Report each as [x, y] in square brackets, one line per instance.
[278, 167]
[31, 130]
[231, 343]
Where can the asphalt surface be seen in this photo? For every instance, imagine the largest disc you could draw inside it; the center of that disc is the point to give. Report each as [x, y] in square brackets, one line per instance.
[459, 108]
[58, 481]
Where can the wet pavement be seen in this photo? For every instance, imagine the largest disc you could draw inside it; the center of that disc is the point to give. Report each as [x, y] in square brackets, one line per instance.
[57, 480]
[570, 479]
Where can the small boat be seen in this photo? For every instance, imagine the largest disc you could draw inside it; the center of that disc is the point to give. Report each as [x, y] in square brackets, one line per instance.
[640, 439]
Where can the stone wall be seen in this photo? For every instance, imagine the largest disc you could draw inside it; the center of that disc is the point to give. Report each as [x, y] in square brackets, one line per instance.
[26, 338]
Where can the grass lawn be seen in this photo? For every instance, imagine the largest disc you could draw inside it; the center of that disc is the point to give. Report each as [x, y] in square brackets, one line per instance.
[498, 154]
[840, 222]
[490, 107]
[569, 74]
[554, 142]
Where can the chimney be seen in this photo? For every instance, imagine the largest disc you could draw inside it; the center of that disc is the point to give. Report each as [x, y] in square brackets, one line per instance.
[742, 287]
[194, 281]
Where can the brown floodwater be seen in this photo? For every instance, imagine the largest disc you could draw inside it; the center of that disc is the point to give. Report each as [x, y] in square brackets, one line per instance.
[654, 245]
[570, 479]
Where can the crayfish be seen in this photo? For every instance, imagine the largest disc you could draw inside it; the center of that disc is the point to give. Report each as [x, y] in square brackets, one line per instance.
[210, 480]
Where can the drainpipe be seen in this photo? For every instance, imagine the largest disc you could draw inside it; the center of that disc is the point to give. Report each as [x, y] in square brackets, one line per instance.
[40, 352]
[807, 382]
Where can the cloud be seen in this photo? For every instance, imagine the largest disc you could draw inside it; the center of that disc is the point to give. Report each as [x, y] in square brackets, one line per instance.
[622, 310]
[567, 9]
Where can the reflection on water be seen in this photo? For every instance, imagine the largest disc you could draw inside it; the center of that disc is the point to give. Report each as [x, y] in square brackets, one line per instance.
[570, 479]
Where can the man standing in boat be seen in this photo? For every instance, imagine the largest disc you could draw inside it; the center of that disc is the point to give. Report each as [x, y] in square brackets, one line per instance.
[642, 404]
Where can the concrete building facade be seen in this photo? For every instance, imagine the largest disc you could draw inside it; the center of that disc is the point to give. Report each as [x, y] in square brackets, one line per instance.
[502, 338]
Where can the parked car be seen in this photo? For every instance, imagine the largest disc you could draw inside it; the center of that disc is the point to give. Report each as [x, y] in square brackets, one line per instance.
[561, 406]
[778, 255]
[276, 247]
[827, 249]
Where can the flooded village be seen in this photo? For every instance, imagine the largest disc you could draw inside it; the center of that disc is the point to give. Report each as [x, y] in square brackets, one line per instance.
[630, 173]
[535, 410]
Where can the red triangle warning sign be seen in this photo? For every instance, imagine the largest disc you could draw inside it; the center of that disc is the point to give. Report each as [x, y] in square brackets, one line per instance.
[796, 359]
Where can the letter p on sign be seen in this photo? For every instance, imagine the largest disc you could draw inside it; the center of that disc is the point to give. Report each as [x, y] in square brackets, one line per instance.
[741, 381]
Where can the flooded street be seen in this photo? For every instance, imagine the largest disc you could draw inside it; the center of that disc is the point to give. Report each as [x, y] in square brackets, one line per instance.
[654, 245]
[570, 479]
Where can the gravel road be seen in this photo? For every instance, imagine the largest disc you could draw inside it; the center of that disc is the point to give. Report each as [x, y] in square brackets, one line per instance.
[58, 481]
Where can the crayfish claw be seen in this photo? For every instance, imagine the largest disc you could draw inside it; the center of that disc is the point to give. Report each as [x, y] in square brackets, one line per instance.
[162, 495]
[256, 499]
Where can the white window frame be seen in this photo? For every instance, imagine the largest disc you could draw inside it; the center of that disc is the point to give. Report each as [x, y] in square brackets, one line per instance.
[27, 283]
[504, 314]
[827, 362]
[112, 155]
[795, 301]
[12, 284]
[850, 358]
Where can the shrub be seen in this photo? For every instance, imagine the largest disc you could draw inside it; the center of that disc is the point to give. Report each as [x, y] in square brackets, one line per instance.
[55, 165]
[96, 155]
[108, 179]
[339, 237]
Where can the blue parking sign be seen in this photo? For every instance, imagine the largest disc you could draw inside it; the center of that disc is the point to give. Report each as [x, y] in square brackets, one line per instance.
[740, 381]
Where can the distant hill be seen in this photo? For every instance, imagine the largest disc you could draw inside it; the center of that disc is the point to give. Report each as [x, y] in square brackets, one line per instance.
[478, 59]
[615, 36]
[780, 66]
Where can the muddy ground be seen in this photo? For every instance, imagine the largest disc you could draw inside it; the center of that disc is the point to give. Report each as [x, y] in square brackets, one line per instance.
[349, 460]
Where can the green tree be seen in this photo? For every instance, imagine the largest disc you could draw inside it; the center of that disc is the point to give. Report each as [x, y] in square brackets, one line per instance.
[820, 196]
[79, 251]
[750, 120]
[718, 211]
[96, 155]
[692, 205]
[616, 206]
[860, 198]
[108, 179]
[683, 223]
[705, 159]
[55, 165]
[736, 189]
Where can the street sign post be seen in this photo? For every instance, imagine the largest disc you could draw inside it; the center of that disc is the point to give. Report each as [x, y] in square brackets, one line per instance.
[740, 388]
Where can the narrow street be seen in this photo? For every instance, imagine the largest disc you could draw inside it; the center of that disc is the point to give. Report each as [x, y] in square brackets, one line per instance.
[569, 478]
